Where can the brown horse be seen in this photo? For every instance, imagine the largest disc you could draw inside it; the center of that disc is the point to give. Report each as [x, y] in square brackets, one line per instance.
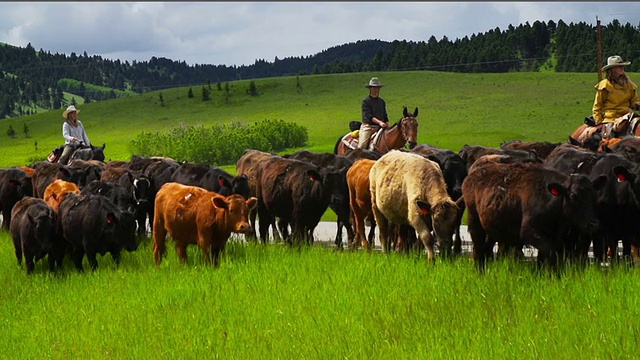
[588, 137]
[405, 131]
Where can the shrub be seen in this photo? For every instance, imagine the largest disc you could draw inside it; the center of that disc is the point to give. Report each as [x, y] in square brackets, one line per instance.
[220, 144]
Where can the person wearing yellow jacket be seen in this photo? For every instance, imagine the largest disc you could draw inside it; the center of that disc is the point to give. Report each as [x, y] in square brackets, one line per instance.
[616, 95]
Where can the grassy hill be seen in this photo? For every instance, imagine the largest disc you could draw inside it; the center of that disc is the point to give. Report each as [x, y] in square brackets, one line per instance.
[455, 109]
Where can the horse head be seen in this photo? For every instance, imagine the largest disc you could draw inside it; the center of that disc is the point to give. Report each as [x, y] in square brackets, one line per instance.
[409, 127]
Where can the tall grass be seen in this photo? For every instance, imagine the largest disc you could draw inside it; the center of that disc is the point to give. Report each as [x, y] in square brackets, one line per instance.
[276, 302]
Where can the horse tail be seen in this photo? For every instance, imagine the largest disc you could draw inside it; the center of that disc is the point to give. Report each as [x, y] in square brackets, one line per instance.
[335, 148]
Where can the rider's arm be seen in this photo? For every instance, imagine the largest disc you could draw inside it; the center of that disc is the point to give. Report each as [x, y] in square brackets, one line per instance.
[66, 133]
[367, 113]
[598, 103]
[85, 138]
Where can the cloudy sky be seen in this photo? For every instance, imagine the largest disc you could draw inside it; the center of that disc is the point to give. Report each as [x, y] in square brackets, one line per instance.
[228, 33]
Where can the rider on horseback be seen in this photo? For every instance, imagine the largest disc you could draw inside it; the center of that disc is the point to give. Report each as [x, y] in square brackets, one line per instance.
[374, 113]
[73, 132]
[615, 100]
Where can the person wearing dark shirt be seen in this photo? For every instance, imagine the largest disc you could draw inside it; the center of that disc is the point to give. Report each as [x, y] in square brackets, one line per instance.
[374, 113]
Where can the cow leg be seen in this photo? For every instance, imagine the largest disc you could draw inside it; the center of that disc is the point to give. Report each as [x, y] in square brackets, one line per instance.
[6, 216]
[338, 240]
[17, 245]
[159, 238]
[457, 241]
[28, 260]
[91, 257]
[479, 238]
[116, 256]
[599, 253]
[265, 220]
[372, 233]
[252, 221]
[358, 225]
[215, 253]
[181, 250]
[350, 233]
[383, 226]
[77, 256]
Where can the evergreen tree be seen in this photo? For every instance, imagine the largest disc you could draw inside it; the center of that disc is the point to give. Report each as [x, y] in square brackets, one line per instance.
[190, 93]
[161, 98]
[11, 132]
[25, 129]
[253, 90]
[205, 94]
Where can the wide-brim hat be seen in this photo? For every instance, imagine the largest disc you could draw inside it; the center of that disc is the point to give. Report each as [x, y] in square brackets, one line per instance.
[70, 109]
[613, 61]
[374, 82]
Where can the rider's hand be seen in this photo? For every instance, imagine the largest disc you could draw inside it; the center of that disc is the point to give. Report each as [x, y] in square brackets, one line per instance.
[637, 105]
[384, 125]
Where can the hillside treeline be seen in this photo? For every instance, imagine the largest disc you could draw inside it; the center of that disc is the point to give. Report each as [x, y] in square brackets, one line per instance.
[30, 78]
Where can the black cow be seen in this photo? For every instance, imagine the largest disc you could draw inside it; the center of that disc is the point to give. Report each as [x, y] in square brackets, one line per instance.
[83, 172]
[333, 169]
[250, 164]
[618, 204]
[541, 148]
[471, 153]
[454, 170]
[136, 183]
[92, 224]
[14, 185]
[629, 147]
[212, 178]
[526, 204]
[34, 232]
[120, 196]
[45, 173]
[292, 191]
[159, 172]
[358, 153]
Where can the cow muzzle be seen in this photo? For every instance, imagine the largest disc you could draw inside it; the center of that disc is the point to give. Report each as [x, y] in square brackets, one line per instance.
[243, 228]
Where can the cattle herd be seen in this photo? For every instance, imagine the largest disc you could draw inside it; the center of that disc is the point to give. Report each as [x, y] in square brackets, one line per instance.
[561, 198]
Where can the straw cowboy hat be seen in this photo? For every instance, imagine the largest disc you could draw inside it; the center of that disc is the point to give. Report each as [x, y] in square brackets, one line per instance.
[613, 61]
[70, 109]
[374, 82]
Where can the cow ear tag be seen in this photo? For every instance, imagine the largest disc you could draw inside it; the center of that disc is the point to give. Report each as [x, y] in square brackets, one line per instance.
[110, 218]
[221, 182]
[554, 190]
[622, 177]
[219, 203]
[424, 207]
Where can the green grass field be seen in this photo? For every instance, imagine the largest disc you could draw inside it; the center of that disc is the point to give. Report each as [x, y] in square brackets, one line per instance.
[268, 302]
[318, 303]
[455, 109]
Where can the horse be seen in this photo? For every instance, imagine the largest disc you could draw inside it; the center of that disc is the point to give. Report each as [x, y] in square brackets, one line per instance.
[587, 137]
[405, 131]
[80, 153]
[89, 153]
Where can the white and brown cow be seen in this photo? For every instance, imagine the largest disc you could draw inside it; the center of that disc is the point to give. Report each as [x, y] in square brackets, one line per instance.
[408, 189]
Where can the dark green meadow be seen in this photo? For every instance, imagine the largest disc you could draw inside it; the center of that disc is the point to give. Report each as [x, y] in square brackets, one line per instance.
[275, 302]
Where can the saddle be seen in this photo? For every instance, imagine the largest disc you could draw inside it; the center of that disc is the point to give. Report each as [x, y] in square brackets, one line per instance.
[54, 156]
[352, 139]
